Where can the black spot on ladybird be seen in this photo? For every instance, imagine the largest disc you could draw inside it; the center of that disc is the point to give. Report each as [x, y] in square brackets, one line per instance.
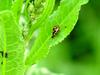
[56, 29]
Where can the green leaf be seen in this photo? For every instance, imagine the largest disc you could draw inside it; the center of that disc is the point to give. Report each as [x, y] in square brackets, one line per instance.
[65, 17]
[5, 4]
[11, 44]
[16, 8]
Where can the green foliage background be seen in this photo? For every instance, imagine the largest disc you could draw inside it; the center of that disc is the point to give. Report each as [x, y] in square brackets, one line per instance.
[79, 53]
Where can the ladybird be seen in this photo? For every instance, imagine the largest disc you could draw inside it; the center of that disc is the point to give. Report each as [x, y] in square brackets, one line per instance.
[55, 31]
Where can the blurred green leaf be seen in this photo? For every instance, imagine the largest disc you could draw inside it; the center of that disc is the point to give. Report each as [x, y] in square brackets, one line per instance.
[48, 8]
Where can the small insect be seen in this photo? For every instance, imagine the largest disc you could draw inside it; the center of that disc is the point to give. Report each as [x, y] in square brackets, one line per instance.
[55, 31]
[6, 55]
[2, 53]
